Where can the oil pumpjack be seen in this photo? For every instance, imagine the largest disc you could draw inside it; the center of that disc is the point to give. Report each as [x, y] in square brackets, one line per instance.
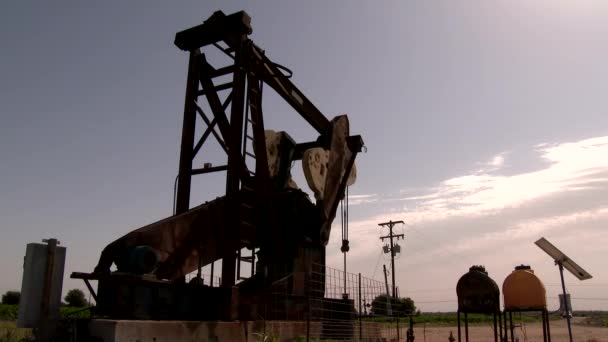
[262, 210]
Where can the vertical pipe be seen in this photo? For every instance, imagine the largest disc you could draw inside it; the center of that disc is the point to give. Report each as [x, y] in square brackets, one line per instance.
[238, 264]
[360, 311]
[511, 326]
[199, 272]
[504, 318]
[390, 226]
[495, 329]
[344, 273]
[212, 264]
[500, 324]
[466, 327]
[544, 327]
[252, 262]
[561, 274]
[307, 289]
[458, 319]
[548, 326]
[410, 335]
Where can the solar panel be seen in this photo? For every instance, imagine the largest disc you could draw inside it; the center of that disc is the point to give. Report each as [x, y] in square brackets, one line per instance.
[563, 259]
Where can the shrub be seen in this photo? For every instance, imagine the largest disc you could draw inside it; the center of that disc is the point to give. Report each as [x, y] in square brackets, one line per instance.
[76, 298]
[11, 297]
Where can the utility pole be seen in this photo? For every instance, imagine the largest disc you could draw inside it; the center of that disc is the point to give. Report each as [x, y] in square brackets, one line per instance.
[566, 306]
[389, 310]
[392, 237]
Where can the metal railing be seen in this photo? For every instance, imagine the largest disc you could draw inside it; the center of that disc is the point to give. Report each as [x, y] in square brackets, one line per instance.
[334, 305]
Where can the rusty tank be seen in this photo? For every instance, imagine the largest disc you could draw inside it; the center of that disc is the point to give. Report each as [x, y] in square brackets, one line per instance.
[477, 292]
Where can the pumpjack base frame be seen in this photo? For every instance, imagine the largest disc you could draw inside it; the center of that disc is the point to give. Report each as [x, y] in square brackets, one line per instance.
[128, 296]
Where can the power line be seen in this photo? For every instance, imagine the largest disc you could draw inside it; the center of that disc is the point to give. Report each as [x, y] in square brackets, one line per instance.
[582, 298]
[430, 290]
[377, 263]
[579, 285]
[436, 301]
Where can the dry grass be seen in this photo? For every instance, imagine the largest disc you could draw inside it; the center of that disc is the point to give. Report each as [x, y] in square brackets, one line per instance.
[528, 332]
[10, 333]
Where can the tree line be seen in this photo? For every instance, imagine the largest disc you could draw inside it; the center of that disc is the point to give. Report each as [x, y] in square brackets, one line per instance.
[74, 297]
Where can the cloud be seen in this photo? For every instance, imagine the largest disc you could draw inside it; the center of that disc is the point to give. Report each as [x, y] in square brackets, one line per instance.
[492, 215]
[362, 199]
[497, 161]
[528, 230]
[571, 167]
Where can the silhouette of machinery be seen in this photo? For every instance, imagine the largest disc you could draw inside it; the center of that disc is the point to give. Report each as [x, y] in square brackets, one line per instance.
[262, 213]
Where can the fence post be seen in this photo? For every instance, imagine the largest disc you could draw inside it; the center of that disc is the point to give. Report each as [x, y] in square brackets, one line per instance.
[360, 313]
[307, 291]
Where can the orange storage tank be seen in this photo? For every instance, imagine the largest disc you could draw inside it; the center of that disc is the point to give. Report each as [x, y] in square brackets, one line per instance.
[522, 290]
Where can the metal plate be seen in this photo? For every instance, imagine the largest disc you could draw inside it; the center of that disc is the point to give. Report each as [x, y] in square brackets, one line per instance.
[563, 259]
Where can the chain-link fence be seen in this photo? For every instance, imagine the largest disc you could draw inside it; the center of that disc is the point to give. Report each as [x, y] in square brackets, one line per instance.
[334, 305]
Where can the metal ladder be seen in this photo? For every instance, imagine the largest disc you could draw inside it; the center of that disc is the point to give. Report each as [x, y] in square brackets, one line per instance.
[248, 208]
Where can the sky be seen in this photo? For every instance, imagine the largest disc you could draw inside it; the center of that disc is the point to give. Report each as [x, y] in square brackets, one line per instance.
[484, 122]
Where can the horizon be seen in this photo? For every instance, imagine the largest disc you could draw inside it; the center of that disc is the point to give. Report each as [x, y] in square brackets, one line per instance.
[484, 125]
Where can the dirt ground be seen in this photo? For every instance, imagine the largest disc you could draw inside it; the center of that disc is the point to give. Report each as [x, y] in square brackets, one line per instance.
[529, 332]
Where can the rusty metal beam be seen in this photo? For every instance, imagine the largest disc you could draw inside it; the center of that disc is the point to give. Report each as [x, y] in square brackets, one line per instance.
[223, 71]
[227, 51]
[204, 137]
[214, 102]
[227, 101]
[91, 291]
[270, 73]
[210, 128]
[223, 86]
[188, 129]
[354, 142]
[217, 28]
[209, 170]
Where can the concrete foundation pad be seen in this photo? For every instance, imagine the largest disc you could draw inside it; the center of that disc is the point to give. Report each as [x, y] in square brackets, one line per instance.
[210, 331]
